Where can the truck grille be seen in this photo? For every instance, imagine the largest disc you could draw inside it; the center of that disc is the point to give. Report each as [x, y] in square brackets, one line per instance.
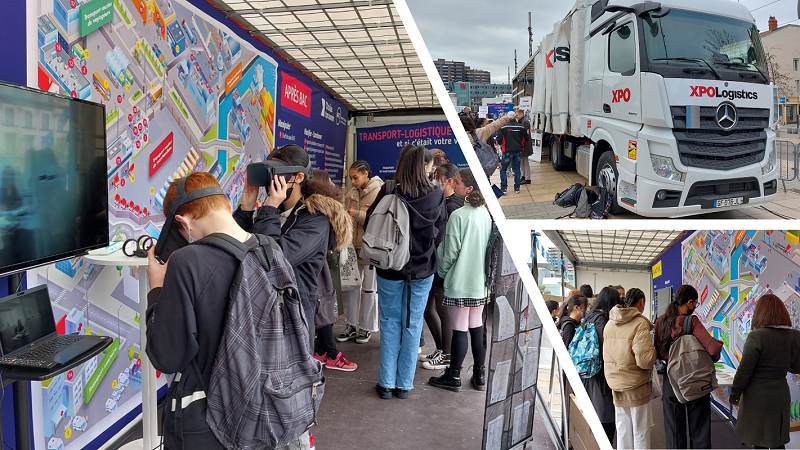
[710, 147]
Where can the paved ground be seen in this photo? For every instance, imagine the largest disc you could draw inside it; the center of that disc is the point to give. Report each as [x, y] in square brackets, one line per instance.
[535, 201]
[353, 417]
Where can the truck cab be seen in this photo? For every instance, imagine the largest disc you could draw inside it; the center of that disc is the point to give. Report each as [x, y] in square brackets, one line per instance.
[676, 107]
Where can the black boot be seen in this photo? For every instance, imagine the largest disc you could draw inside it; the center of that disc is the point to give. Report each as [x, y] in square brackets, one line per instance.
[450, 380]
[479, 378]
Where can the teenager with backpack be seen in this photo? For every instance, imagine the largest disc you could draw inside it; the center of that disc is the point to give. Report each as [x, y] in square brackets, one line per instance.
[188, 309]
[304, 223]
[437, 315]
[362, 304]
[629, 356]
[760, 388]
[597, 386]
[669, 327]
[572, 313]
[463, 257]
[403, 293]
[512, 137]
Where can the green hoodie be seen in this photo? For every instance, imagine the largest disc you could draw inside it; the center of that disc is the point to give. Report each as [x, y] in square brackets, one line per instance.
[462, 254]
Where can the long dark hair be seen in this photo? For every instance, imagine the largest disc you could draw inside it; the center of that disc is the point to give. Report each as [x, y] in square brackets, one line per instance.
[410, 175]
[467, 123]
[320, 183]
[447, 170]
[683, 295]
[570, 305]
[475, 198]
[606, 300]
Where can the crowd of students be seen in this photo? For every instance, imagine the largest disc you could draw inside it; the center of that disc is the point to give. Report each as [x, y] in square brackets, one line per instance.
[634, 351]
[309, 219]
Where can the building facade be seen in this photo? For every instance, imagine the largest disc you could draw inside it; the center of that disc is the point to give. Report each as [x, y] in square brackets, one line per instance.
[479, 91]
[783, 43]
[458, 71]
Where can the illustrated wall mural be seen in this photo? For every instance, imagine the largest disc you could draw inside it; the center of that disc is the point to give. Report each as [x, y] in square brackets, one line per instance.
[731, 270]
[183, 93]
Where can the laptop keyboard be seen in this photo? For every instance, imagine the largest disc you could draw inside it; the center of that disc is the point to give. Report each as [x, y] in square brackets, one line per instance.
[41, 355]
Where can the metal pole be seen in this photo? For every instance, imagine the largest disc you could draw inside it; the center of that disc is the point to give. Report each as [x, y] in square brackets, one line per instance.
[530, 36]
[561, 268]
[535, 268]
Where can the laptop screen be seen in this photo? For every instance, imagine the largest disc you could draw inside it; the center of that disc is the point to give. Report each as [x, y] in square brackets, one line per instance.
[25, 317]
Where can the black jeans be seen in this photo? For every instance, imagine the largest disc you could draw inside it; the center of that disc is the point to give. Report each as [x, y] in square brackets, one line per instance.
[675, 414]
[325, 343]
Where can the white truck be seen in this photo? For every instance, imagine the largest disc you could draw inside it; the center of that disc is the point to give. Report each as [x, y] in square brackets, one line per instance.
[668, 105]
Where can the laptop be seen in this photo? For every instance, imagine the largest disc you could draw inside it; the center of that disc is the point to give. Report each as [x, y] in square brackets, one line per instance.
[28, 337]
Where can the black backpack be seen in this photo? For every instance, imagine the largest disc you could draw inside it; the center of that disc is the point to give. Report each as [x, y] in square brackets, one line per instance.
[601, 207]
[486, 155]
[570, 196]
[583, 207]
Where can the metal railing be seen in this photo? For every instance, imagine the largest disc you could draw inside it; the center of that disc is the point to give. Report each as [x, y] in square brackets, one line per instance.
[788, 161]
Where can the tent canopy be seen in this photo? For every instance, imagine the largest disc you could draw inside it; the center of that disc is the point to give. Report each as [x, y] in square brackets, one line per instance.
[358, 50]
[622, 249]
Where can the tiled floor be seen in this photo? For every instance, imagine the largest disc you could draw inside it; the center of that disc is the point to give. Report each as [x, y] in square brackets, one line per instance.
[535, 200]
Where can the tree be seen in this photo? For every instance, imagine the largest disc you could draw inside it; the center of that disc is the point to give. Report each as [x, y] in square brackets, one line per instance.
[777, 75]
[544, 291]
[465, 104]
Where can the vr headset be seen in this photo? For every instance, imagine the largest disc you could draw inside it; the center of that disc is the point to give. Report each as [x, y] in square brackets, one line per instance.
[262, 173]
[170, 238]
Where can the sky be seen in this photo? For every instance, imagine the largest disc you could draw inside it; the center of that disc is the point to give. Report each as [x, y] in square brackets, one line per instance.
[484, 34]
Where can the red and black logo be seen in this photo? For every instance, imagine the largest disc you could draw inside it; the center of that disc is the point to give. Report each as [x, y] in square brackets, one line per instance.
[557, 54]
[710, 91]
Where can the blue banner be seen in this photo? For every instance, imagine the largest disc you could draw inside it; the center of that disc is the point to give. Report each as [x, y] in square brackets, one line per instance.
[380, 146]
[670, 268]
[499, 109]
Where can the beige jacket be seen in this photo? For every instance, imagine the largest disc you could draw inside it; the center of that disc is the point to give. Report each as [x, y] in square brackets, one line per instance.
[629, 356]
[487, 131]
[361, 199]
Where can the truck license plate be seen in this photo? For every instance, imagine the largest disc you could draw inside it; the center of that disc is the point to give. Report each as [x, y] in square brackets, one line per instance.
[728, 202]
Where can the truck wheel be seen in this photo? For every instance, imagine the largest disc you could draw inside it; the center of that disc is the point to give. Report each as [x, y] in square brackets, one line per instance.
[557, 158]
[607, 177]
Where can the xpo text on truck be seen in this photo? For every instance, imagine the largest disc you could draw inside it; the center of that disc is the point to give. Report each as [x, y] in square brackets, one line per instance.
[667, 105]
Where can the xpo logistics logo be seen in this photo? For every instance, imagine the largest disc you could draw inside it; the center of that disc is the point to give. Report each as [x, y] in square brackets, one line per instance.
[710, 91]
[621, 95]
[557, 54]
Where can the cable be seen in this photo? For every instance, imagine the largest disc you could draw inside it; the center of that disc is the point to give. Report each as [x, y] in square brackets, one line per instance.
[762, 6]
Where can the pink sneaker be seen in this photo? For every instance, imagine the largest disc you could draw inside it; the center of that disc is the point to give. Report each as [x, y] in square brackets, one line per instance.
[341, 363]
[321, 358]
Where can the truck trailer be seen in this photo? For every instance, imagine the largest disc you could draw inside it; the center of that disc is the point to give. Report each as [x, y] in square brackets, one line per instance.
[667, 105]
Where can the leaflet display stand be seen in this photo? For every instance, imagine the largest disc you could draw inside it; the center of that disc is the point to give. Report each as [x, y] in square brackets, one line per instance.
[149, 385]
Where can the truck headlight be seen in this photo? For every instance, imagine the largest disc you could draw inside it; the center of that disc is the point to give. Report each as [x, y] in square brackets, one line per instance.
[772, 161]
[665, 168]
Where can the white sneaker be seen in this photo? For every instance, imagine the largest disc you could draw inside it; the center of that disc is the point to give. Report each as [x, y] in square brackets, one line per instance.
[433, 355]
[441, 361]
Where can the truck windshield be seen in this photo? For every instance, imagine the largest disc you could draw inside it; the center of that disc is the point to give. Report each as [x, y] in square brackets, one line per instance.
[682, 36]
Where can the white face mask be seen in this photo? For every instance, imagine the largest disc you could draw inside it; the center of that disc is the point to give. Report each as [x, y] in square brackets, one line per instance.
[188, 232]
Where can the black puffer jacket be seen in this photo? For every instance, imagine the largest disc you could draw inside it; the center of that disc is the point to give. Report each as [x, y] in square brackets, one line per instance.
[428, 221]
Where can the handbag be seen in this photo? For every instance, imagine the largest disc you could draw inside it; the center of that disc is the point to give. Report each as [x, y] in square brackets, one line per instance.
[348, 269]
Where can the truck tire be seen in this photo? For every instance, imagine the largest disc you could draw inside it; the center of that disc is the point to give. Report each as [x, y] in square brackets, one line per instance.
[557, 158]
[607, 175]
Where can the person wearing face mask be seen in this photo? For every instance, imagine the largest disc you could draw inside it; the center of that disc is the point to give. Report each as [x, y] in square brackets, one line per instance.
[437, 315]
[362, 304]
[571, 315]
[304, 223]
[668, 328]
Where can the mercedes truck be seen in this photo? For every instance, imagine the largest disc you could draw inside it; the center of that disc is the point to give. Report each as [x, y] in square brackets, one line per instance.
[668, 105]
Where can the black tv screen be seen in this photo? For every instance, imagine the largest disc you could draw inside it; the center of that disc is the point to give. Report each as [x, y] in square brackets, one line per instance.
[53, 195]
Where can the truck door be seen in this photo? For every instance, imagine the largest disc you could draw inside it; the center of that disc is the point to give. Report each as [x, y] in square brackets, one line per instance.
[622, 110]
[621, 88]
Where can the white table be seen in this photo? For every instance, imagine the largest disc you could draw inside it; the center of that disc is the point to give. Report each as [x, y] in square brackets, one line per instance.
[149, 385]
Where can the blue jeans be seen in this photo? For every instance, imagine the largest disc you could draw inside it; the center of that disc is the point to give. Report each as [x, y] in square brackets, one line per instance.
[513, 159]
[399, 345]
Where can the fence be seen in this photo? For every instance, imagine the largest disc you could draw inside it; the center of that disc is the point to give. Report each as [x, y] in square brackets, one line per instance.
[788, 161]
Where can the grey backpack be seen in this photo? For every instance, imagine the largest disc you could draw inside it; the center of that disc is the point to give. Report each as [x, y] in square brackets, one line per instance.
[690, 369]
[387, 240]
[265, 387]
[486, 155]
[583, 209]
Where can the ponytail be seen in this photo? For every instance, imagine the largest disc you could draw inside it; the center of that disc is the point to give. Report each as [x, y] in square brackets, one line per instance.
[683, 295]
[570, 305]
[475, 198]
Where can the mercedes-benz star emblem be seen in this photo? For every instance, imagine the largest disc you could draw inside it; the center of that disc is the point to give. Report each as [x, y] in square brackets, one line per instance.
[726, 116]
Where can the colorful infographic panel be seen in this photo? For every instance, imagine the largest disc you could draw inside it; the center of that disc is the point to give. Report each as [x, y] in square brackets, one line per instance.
[183, 93]
[731, 270]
